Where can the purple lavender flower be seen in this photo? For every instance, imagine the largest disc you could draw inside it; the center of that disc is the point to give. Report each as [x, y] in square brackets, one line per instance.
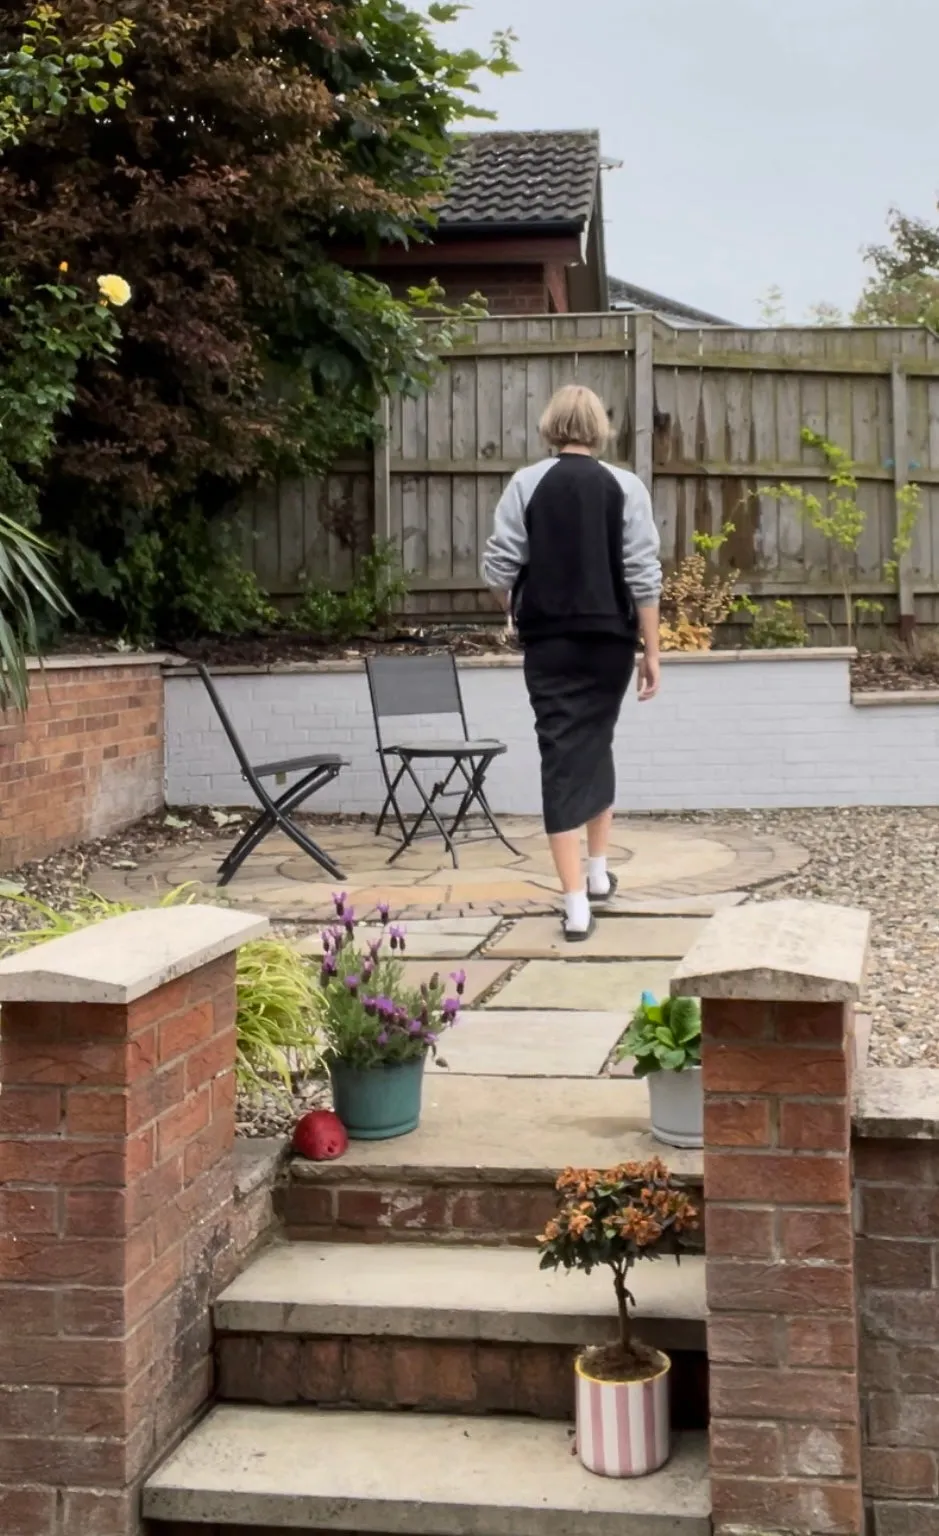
[327, 970]
[326, 939]
[383, 911]
[396, 936]
[450, 1009]
[383, 1038]
[339, 902]
[374, 948]
[459, 980]
[415, 1026]
[368, 968]
[352, 982]
[349, 920]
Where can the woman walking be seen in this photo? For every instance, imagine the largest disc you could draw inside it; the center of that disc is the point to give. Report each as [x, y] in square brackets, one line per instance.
[574, 556]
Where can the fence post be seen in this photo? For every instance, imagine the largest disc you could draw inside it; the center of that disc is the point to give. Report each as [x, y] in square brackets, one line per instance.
[643, 398]
[117, 1123]
[381, 471]
[901, 478]
[778, 981]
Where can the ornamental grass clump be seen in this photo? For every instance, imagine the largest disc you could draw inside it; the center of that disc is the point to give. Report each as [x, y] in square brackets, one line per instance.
[277, 1025]
[615, 1218]
[371, 1017]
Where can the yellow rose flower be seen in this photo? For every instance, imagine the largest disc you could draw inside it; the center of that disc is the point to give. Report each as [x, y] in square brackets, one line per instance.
[116, 290]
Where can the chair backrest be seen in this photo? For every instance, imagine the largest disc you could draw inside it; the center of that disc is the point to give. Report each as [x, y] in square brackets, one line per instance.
[227, 726]
[414, 685]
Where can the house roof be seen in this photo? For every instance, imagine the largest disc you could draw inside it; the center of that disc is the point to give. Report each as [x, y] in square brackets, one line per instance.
[546, 181]
[629, 296]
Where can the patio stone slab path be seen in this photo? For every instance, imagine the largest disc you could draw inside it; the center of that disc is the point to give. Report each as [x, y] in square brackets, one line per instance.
[491, 1129]
[481, 975]
[615, 938]
[502, 1043]
[575, 985]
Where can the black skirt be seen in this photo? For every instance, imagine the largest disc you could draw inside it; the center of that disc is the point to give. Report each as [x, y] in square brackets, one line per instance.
[576, 685]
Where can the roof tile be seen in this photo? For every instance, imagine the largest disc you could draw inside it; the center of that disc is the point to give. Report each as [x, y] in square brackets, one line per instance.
[525, 179]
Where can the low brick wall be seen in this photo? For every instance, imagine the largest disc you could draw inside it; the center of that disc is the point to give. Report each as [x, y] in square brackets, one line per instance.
[119, 1213]
[85, 759]
[732, 730]
[896, 1162]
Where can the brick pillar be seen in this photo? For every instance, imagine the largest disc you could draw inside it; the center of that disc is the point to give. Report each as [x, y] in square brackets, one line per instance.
[117, 1052]
[777, 982]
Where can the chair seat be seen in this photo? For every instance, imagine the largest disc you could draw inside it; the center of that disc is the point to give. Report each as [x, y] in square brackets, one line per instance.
[455, 749]
[297, 764]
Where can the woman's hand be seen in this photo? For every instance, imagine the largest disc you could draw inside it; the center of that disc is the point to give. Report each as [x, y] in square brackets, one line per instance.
[648, 678]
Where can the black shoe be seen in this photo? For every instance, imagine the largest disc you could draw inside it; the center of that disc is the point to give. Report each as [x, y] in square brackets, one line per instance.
[578, 935]
[601, 901]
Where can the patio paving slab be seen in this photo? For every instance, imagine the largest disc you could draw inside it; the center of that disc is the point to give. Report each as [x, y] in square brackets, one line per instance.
[574, 985]
[492, 1129]
[480, 975]
[444, 939]
[502, 1043]
[615, 938]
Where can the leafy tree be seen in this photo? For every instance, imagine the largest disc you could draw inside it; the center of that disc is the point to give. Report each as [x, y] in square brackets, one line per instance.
[255, 133]
[904, 286]
[45, 330]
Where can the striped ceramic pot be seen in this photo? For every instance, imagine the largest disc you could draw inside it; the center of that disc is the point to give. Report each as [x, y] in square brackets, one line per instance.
[622, 1426]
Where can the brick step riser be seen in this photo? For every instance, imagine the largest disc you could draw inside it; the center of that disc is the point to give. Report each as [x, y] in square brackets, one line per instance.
[452, 1376]
[510, 1214]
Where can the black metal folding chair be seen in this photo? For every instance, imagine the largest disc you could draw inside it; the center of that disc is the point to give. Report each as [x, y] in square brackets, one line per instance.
[318, 769]
[430, 685]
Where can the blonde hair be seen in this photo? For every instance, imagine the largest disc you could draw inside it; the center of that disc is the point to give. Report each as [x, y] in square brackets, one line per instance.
[575, 417]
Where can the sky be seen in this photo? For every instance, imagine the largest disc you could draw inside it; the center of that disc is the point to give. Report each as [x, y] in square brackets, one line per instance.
[763, 141]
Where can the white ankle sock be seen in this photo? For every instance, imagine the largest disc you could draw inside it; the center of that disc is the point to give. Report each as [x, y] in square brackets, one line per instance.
[577, 911]
[598, 881]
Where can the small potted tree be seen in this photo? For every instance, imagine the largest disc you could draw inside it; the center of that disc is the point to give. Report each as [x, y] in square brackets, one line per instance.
[615, 1218]
[665, 1040]
[379, 1032]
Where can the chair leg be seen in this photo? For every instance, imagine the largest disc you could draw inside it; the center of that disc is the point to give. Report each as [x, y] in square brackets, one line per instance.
[391, 798]
[428, 810]
[277, 813]
[475, 795]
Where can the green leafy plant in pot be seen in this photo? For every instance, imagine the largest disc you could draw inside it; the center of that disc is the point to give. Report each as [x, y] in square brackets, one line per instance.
[665, 1040]
[612, 1220]
[379, 1031]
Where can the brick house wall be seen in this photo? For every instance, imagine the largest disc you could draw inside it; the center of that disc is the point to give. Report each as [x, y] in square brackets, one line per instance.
[510, 289]
[85, 759]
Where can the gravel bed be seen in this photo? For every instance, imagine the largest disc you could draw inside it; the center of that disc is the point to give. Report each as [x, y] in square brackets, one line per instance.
[886, 861]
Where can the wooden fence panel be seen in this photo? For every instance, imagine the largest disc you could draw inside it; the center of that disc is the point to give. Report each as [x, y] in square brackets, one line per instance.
[712, 416]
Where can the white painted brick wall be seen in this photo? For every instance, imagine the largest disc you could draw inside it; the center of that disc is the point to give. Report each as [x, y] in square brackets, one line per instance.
[726, 732]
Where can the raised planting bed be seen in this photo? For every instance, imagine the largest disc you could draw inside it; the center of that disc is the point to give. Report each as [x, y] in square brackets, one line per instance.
[731, 730]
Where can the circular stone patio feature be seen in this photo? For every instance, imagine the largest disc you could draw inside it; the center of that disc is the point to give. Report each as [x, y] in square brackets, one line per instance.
[664, 867]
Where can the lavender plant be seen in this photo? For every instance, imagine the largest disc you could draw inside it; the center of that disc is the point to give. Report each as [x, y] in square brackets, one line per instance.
[371, 1018]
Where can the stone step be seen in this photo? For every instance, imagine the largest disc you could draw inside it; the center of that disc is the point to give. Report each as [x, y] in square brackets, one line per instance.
[286, 1469]
[482, 1165]
[469, 1330]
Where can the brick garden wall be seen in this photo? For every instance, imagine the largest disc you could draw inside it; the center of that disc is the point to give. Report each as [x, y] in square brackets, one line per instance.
[85, 760]
[119, 1221]
[897, 1254]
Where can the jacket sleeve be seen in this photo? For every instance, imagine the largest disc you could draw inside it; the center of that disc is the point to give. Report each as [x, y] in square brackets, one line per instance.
[507, 549]
[641, 565]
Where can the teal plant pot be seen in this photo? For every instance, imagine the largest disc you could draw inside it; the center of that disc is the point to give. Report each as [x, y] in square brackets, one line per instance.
[377, 1103]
